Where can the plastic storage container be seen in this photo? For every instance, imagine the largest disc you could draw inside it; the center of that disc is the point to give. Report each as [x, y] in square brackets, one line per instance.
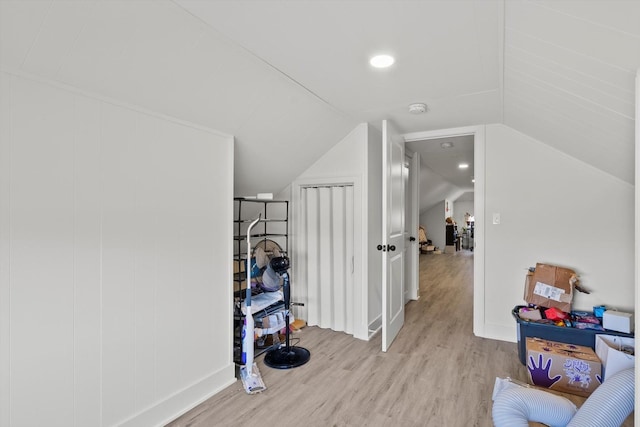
[526, 329]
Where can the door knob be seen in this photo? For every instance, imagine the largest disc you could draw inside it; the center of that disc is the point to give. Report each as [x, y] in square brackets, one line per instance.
[412, 239]
[381, 248]
[392, 248]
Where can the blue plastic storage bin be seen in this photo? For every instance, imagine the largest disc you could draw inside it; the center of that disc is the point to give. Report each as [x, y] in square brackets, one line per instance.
[526, 329]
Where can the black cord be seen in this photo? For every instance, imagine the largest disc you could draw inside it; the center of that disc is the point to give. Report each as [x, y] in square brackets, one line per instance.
[297, 341]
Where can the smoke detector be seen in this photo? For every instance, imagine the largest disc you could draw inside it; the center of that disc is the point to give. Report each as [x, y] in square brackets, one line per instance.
[418, 108]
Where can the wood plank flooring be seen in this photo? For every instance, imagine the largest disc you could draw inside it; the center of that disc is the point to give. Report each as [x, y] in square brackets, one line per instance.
[437, 373]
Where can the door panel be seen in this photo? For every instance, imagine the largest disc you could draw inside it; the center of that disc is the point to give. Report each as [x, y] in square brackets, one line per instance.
[393, 257]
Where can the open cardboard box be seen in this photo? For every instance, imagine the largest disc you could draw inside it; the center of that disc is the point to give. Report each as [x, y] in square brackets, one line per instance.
[616, 353]
[550, 286]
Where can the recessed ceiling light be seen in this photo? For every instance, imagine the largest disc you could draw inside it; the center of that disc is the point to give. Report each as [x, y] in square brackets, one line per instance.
[446, 144]
[382, 61]
[463, 165]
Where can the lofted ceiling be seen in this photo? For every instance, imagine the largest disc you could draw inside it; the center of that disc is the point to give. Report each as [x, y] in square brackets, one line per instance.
[569, 71]
[289, 79]
[440, 176]
[446, 53]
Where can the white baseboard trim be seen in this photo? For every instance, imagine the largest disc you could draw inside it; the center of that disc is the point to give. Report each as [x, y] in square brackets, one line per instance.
[375, 326]
[184, 400]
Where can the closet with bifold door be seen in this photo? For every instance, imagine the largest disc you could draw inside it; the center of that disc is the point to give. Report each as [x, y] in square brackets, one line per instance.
[326, 240]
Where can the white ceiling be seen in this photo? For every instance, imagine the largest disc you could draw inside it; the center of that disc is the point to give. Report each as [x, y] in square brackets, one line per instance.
[289, 79]
[445, 161]
[446, 53]
[440, 176]
[569, 69]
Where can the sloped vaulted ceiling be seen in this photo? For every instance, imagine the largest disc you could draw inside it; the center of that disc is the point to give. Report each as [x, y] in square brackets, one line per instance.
[569, 70]
[155, 55]
[289, 79]
[559, 71]
[446, 53]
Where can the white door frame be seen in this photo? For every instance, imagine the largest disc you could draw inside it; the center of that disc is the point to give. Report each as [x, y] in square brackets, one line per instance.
[637, 223]
[478, 133]
[412, 282]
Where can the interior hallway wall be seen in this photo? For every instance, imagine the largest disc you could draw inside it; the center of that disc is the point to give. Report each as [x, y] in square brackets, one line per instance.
[554, 209]
[434, 221]
[115, 242]
[460, 209]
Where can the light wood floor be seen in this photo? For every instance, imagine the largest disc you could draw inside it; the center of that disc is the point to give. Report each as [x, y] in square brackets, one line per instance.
[437, 373]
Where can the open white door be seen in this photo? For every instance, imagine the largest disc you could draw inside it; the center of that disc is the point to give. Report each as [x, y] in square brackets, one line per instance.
[393, 241]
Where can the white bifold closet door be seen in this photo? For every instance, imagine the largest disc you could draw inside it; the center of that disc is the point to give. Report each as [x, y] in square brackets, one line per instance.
[327, 249]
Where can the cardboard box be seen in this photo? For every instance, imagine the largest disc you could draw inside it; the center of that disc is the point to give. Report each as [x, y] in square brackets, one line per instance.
[616, 353]
[550, 286]
[529, 313]
[563, 367]
[618, 321]
[239, 275]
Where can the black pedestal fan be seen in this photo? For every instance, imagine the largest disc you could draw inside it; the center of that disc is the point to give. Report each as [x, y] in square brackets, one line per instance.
[286, 357]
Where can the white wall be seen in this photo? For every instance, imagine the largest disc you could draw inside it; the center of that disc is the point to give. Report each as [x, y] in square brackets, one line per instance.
[345, 158]
[554, 209]
[448, 208]
[461, 208]
[433, 221]
[347, 161]
[114, 260]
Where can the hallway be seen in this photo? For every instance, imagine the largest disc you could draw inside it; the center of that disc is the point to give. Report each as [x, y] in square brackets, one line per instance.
[435, 374]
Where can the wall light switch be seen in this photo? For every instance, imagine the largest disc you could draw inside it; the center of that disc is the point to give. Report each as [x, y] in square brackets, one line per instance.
[496, 218]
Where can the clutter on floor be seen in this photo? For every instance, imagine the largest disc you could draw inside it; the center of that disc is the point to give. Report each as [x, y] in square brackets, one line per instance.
[263, 319]
[617, 321]
[578, 328]
[297, 324]
[564, 367]
[615, 352]
[550, 286]
[426, 245]
[549, 293]
[287, 356]
[249, 373]
[568, 351]
[515, 405]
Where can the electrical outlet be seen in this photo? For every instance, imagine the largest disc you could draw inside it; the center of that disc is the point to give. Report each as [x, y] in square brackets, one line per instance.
[496, 218]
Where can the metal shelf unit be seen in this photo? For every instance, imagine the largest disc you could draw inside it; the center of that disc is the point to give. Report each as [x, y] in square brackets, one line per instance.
[271, 230]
